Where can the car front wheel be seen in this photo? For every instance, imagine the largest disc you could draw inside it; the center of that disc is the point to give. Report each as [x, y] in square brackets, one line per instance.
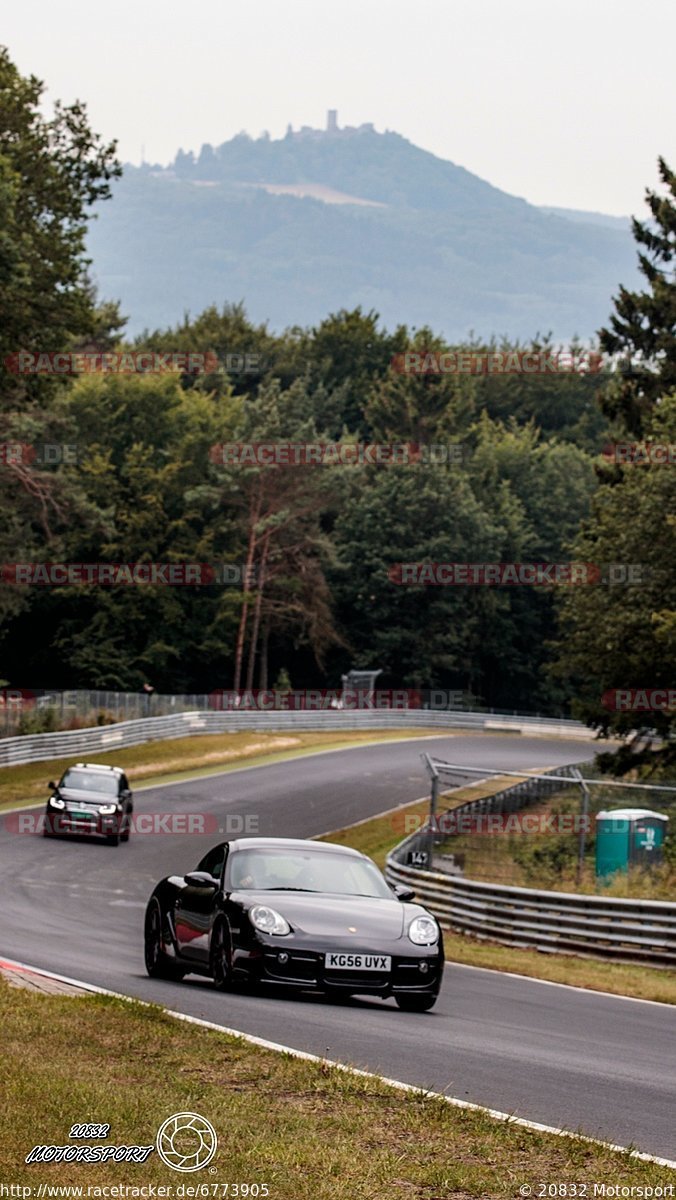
[219, 958]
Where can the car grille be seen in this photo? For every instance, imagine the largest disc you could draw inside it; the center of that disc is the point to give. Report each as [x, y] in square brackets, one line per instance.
[298, 967]
[365, 981]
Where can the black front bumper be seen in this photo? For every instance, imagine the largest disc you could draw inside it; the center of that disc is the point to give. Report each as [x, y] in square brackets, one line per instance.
[304, 969]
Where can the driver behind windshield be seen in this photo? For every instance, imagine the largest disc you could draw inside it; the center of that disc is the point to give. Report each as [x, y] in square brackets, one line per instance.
[305, 873]
[266, 874]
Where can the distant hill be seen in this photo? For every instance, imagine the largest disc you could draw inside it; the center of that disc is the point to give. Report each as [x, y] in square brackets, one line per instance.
[589, 218]
[316, 221]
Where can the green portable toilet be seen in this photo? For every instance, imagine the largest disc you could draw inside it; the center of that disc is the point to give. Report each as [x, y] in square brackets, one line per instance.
[628, 837]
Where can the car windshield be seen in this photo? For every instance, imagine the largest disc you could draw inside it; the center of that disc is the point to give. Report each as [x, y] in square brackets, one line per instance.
[90, 781]
[306, 871]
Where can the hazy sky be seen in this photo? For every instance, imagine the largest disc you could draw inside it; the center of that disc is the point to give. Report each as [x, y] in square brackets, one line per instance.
[563, 102]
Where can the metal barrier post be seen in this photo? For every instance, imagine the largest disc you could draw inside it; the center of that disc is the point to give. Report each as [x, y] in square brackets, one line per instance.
[434, 798]
[584, 819]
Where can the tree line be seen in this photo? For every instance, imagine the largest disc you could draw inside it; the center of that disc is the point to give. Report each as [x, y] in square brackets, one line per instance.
[499, 468]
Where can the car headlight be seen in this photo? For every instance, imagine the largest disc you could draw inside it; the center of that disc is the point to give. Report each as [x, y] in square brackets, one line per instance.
[107, 809]
[268, 920]
[423, 931]
[56, 802]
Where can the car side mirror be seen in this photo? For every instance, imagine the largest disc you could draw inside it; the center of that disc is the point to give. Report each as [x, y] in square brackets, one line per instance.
[402, 892]
[201, 879]
[52, 785]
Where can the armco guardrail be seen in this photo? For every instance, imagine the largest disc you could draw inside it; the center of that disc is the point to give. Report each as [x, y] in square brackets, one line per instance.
[553, 921]
[559, 922]
[41, 746]
[87, 706]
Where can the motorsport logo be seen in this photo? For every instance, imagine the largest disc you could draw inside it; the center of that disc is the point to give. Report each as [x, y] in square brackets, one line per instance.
[186, 1141]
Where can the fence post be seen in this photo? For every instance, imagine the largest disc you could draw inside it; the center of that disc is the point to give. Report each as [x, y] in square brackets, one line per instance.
[584, 818]
[434, 796]
[432, 817]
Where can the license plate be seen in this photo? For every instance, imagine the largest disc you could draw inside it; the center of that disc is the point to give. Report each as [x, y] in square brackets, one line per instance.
[81, 816]
[358, 962]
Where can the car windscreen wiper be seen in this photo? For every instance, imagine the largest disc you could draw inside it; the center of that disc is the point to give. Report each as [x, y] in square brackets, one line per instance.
[290, 889]
[322, 892]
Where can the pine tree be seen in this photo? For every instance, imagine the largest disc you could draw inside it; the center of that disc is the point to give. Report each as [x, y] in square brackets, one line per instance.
[643, 327]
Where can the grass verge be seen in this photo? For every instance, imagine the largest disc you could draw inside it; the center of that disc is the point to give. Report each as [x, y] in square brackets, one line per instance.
[166, 761]
[379, 835]
[307, 1130]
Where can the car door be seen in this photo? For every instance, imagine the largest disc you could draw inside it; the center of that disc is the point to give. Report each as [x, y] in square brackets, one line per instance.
[194, 908]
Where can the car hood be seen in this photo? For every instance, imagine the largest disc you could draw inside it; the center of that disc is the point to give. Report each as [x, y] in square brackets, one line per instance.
[327, 914]
[74, 796]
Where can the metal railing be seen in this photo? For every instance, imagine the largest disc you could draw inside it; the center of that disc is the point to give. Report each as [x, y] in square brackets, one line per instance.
[554, 921]
[25, 712]
[42, 746]
[551, 921]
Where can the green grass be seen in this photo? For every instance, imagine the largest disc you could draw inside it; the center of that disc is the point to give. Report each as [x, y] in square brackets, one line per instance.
[308, 1130]
[190, 757]
[378, 836]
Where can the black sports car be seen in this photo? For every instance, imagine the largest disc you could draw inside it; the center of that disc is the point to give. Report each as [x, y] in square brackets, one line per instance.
[90, 799]
[301, 914]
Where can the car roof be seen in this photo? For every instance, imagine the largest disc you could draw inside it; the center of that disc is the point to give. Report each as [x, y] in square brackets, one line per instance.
[273, 843]
[94, 767]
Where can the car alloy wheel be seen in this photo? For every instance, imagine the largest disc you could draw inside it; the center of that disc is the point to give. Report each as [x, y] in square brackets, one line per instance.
[158, 965]
[220, 956]
[125, 827]
[153, 938]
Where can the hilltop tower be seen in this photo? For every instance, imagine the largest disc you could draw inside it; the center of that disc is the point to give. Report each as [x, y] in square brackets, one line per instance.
[332, 120]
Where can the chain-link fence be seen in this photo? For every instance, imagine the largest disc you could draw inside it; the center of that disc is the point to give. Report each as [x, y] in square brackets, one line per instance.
[23, 711]
[542, 832]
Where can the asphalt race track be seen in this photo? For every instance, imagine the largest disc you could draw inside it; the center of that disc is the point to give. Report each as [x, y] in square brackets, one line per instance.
[596, 1063]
